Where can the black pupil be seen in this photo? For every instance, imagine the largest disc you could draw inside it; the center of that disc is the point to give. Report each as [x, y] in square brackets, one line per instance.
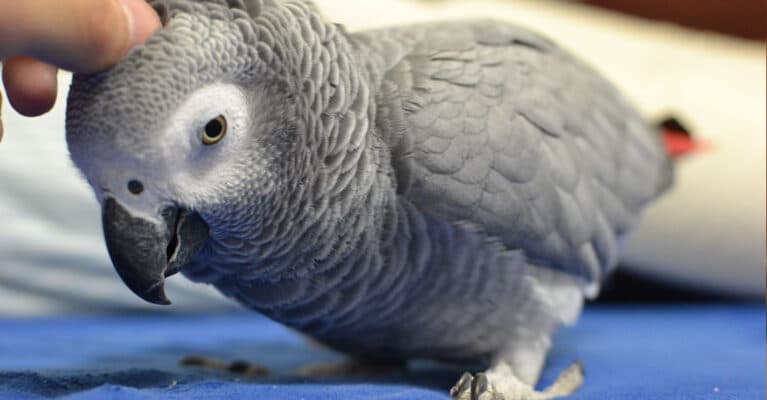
[135, 187]
[214, 128]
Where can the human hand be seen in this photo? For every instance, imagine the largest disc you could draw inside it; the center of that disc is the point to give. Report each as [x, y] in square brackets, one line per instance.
[39, 36]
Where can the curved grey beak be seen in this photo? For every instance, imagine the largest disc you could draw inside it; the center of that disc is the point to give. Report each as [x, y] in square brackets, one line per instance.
[145, 252]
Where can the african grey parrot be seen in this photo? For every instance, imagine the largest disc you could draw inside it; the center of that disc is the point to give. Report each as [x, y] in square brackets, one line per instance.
[446, 191]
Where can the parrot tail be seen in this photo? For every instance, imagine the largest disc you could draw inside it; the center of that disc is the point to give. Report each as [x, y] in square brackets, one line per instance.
[678, 140]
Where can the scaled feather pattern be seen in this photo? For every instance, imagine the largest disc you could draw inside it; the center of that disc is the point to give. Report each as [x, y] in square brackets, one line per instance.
[449, 191]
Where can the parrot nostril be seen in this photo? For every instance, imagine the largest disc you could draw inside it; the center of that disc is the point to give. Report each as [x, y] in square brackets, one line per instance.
[135, 187]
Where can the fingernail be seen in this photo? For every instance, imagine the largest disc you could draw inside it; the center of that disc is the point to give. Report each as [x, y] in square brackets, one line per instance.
[143, 21]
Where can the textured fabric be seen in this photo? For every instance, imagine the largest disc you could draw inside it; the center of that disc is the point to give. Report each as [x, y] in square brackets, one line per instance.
[640, 352]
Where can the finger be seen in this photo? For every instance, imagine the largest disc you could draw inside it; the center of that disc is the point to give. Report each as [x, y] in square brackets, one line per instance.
[79, 35]
[31, 85]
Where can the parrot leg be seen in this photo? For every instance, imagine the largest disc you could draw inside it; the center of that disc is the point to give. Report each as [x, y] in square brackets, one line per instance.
[501, 383]
[515, 370]
[243, 368]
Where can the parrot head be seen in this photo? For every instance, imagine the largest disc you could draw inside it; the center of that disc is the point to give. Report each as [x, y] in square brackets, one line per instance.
[186, 142]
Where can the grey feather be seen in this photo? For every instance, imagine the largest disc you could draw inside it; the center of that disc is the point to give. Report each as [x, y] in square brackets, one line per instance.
[512, 134]
[447, 191]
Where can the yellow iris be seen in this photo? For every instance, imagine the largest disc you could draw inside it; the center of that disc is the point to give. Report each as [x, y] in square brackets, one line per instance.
[214, 131]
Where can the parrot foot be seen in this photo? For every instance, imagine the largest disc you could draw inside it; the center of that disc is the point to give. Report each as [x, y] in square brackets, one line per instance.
[500, 383]
[242, 368]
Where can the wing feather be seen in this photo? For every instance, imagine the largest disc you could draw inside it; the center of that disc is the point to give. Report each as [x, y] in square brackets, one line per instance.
[497, 127]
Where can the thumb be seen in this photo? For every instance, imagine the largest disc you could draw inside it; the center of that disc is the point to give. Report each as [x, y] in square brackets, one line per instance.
[78, 35]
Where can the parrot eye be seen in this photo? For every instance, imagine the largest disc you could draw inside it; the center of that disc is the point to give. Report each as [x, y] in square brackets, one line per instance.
[214, 131]
[135, 187]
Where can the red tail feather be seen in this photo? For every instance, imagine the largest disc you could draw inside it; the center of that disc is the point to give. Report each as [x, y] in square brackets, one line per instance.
[678, 140]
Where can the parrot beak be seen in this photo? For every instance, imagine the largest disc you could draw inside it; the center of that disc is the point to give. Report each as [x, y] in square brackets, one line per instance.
[145, 252]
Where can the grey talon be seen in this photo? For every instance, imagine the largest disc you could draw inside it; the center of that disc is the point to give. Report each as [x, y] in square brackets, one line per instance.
[479, 386]
[462, 385]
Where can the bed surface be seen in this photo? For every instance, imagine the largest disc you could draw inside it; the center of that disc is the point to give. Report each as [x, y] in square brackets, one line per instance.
[629, 352]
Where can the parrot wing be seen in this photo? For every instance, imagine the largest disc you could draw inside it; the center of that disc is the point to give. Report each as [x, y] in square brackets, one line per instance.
[495, 127]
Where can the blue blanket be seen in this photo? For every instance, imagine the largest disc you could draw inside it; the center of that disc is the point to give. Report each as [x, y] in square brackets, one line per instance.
[629, 352]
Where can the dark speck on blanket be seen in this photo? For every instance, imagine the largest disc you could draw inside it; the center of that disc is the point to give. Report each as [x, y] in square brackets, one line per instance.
[639, 352]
